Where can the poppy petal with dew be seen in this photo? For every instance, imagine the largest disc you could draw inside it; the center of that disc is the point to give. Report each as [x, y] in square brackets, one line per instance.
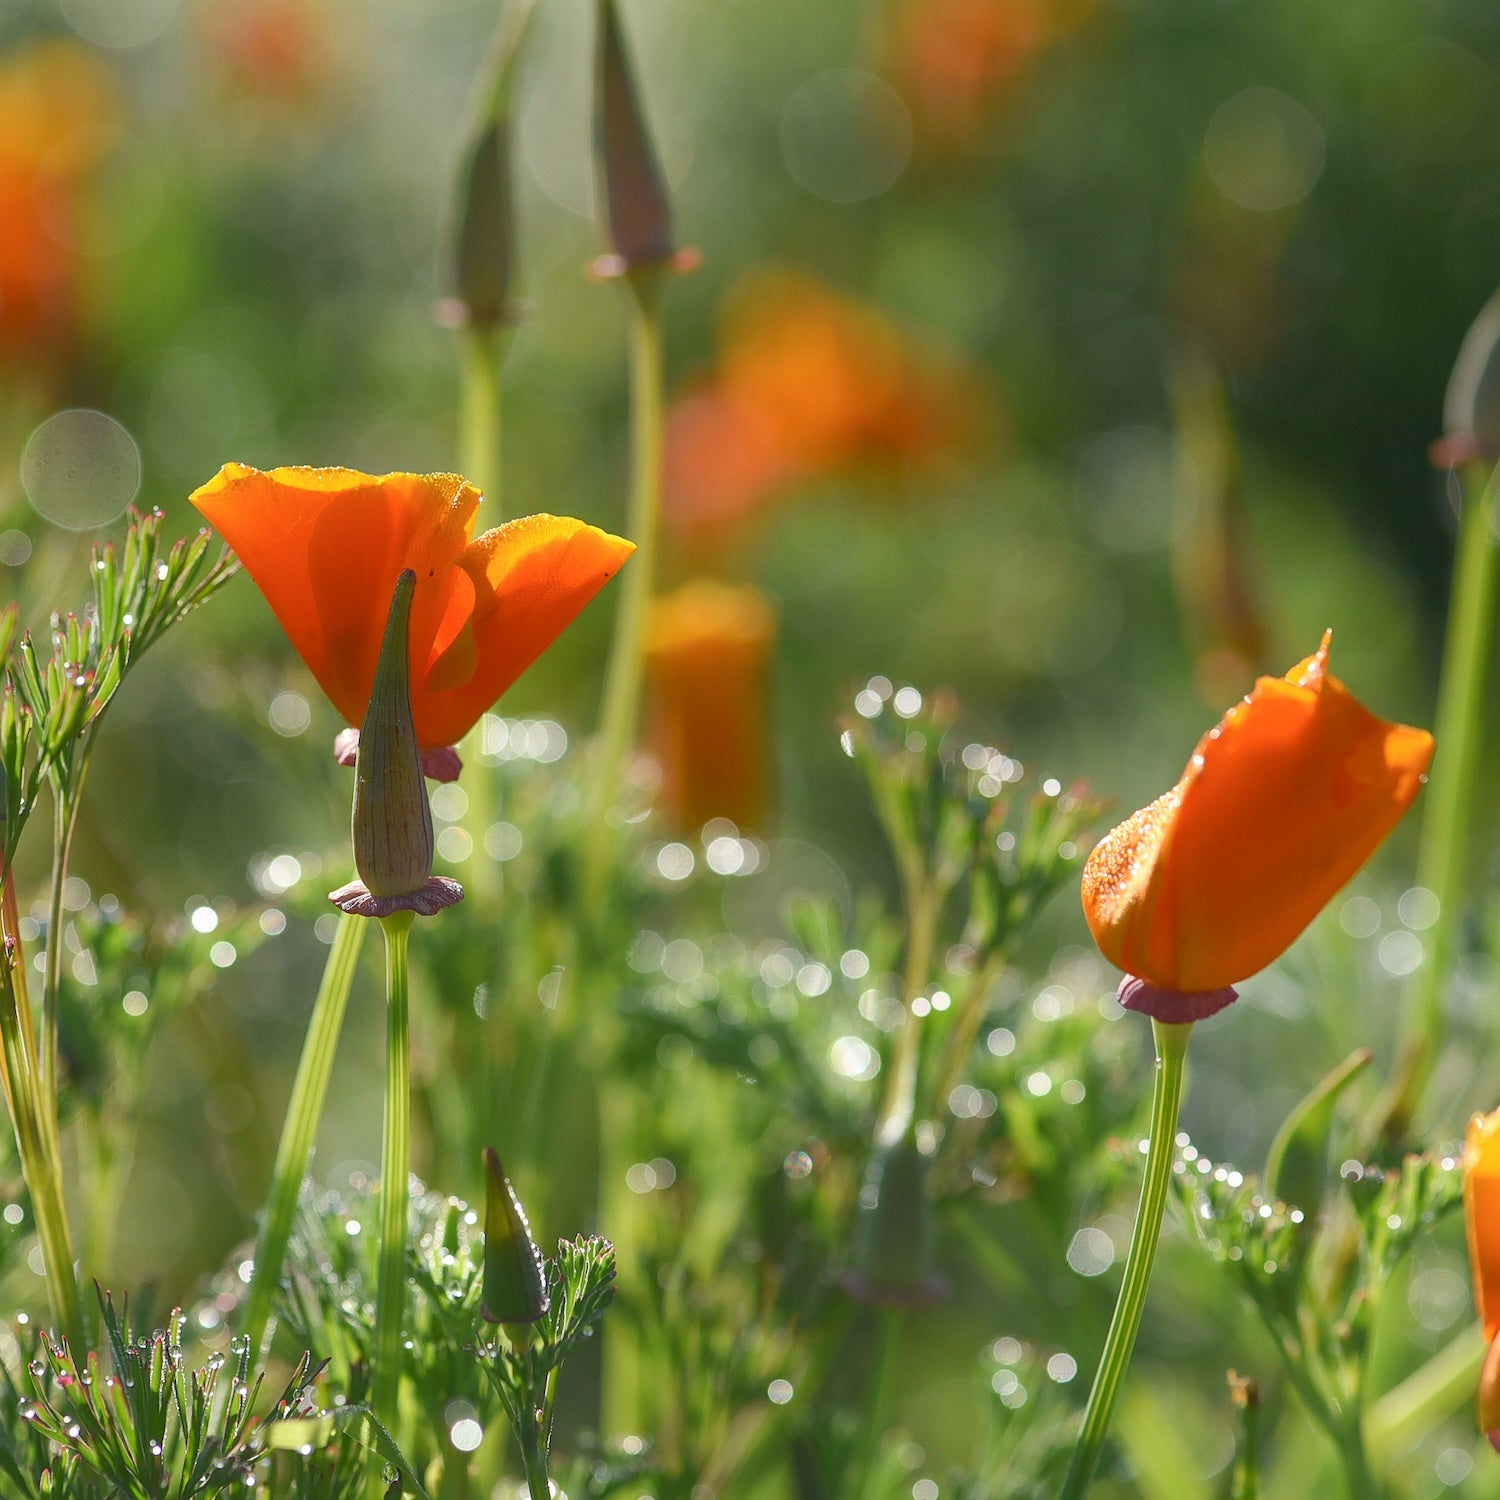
[1482, 1215]
[326, 546]
[1281, 803]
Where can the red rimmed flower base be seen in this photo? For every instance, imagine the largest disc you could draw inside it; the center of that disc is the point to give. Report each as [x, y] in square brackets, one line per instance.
[427, 901]
[1174, 1007]
[442, 764]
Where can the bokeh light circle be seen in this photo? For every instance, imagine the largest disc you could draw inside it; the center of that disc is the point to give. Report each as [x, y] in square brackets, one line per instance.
[118, 24]
[845, 135]
[1263, 150]
[80, 468]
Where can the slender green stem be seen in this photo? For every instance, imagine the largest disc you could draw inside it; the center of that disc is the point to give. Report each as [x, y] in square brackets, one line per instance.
[64, 821]
[622, 683]
[395, 1166]
[899, 1103]
[479, 415]
[877, 1403]
[1406, 1414]
[533, 1445]
[1166, 1099]
[303, 1112]
[1460, 717]
[40, 1164]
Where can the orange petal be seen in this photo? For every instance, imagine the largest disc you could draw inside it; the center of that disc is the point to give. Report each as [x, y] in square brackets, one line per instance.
[530, 578]
[326, 546]
[1280, 805]
[1482, 1216]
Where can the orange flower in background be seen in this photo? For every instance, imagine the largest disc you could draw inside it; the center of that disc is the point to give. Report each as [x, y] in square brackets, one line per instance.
[808, 383]
[57, 116]
[1482, 1219]
[708, 651]
[1281, 803]
[278, 49]
[957, 60]
[326, 547]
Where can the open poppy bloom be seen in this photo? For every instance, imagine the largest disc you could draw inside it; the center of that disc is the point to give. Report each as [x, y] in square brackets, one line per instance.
[1281, 803]
[1482, 1217]
[326, 547]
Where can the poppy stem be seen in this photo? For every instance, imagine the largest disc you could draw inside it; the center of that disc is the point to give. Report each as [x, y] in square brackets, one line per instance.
[622, 682]
[303, 1112]
[1460, 718]
[479, 415]
[395, 1164]
[1166, 1099]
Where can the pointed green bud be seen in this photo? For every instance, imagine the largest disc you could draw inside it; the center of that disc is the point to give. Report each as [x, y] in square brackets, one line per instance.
[483, 238]
[515, 1283]
[893, 1237]
[632, 193]
[393, 840]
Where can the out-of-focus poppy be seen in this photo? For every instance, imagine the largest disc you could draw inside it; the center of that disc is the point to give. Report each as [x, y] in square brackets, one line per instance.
[708, 649]
[1281, 803]
[808, 383]
[326, 547]
[1482, 1217]
[57, 116]
[957, 61]
[274, 49]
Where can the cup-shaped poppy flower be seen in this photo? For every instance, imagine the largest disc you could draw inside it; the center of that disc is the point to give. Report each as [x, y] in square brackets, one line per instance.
[1280, 804]
[326, 547]
[1482, 1218]
[708, 649]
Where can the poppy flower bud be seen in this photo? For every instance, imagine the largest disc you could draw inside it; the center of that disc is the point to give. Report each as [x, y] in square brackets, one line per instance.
[515, 1282]
[894, 1239]
[393, 839]
[484, 229]
[632, 193]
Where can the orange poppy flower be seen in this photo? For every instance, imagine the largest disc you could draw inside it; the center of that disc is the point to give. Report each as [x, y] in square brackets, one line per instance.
[326, 547]
[708, 647]
[1281, 803]
[1482, 1217]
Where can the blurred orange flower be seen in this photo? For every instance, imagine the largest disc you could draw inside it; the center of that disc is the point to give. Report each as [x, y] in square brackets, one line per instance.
[278, 49]
[1482, 1217]
[708, 649]
[808, 383]
[57, 114]
[956, 60]
[326, 547]
[1281, 803]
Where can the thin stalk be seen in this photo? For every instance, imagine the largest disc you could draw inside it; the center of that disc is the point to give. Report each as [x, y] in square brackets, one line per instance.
[395, 1166]
[534, 1459]
[482, 347]
[483, 353]
[959, 1043]
[1460, 718]
[1166, 1100]
[898, 1104]
[64, 821]
[40, 1164]
[622, 682]
[303, 1112]
[878, 1403]
[1406, 1414]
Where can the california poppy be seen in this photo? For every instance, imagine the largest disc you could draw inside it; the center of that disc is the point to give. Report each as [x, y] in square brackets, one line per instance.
[326, 547]
[1482, 1217]
[1280, 804]
[708, 646]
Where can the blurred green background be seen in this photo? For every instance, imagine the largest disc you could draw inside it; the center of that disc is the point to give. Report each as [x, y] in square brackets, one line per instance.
[1050, 217]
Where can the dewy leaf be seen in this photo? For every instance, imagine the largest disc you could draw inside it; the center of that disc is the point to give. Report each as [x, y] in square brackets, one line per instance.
[358, 1422]
[1296, 1164]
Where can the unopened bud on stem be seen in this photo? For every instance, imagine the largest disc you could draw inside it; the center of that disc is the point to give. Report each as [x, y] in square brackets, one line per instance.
[393, 840]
